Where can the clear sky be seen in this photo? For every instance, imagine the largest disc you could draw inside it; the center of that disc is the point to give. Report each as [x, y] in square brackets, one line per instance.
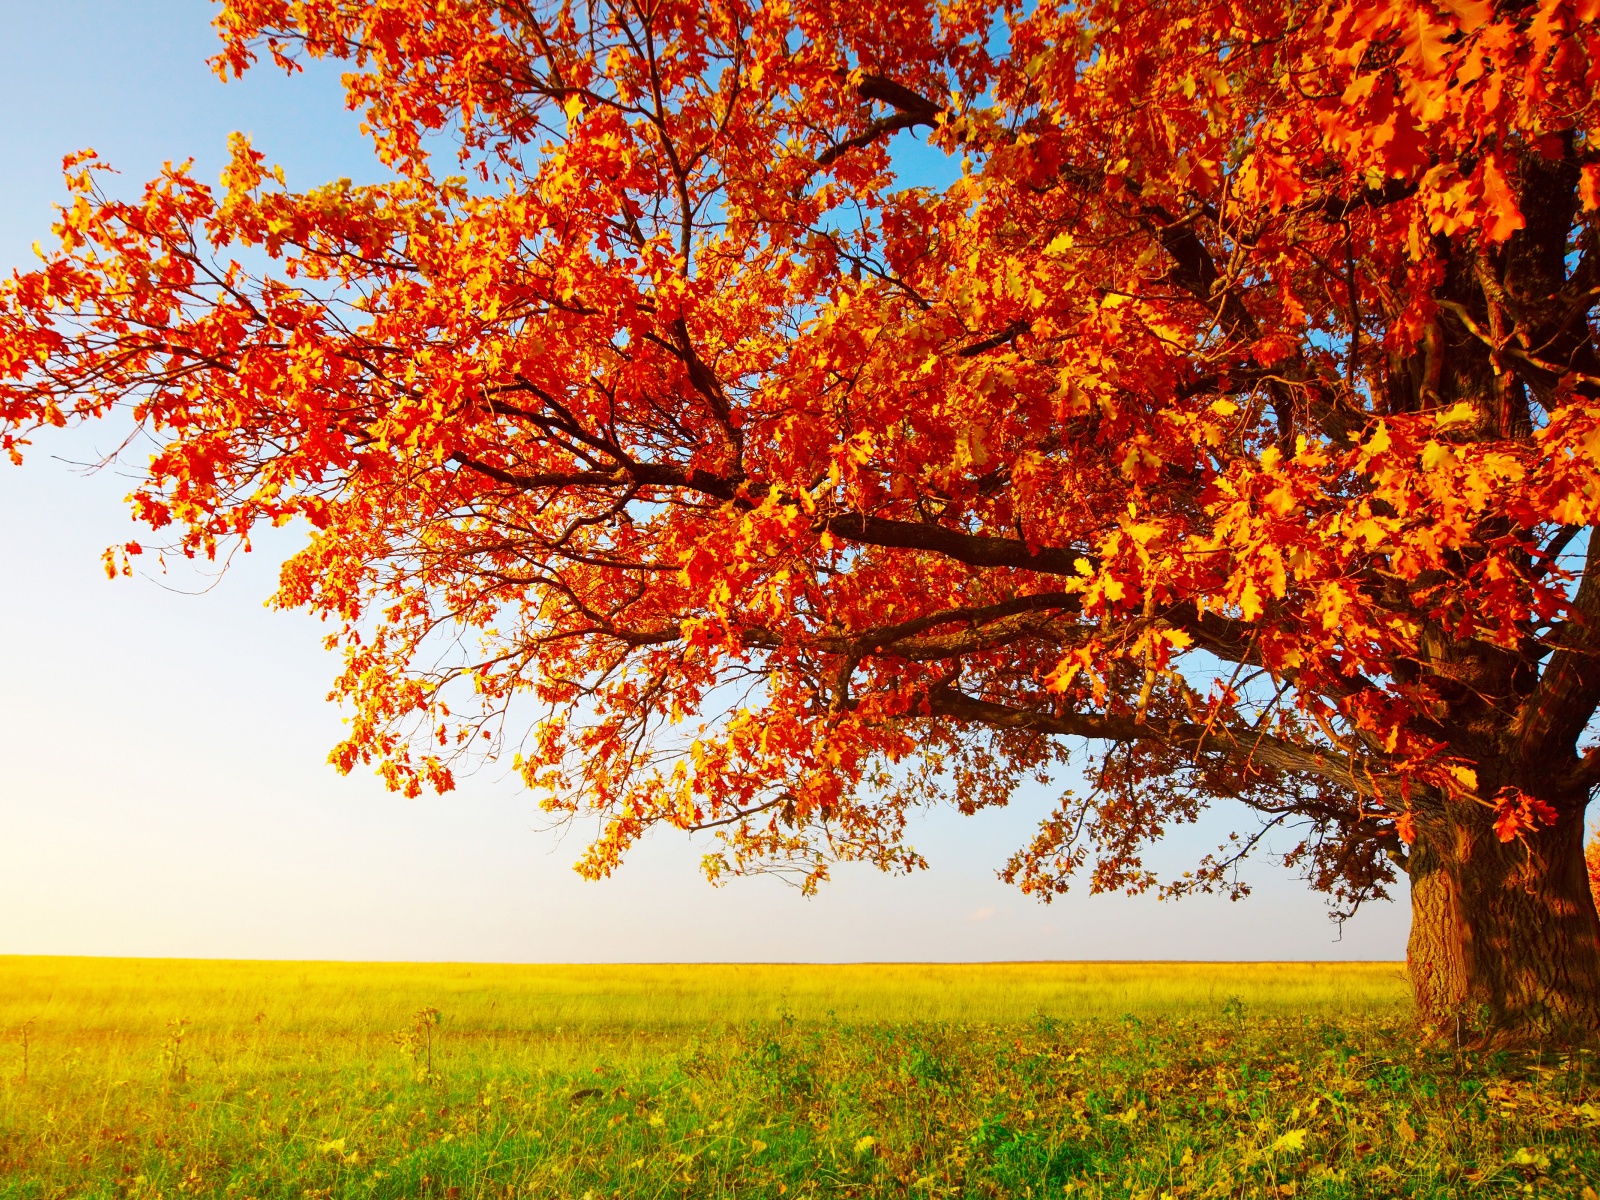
[163, 787]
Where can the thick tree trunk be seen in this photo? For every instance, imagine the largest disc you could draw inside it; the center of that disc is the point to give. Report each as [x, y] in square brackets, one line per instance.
[1505, 941]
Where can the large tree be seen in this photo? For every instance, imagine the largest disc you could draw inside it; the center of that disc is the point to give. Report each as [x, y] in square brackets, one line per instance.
[1223, 404]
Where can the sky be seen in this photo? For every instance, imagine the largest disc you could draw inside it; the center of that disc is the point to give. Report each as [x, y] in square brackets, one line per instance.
[164, 789]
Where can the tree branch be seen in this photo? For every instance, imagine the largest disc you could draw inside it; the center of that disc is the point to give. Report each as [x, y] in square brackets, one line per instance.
[1554, 716]
[1243, 747]
[911, 110]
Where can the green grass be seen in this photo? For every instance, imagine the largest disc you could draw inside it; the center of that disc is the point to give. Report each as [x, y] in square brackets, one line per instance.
[309, 1080]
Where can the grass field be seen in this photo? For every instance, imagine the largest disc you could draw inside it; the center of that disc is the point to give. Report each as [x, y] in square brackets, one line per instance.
[146, 1078]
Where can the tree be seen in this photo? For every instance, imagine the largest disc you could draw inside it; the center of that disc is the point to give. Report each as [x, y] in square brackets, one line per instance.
[1230, 416]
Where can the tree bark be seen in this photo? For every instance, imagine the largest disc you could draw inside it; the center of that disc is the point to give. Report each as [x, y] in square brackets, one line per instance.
[1505, 941]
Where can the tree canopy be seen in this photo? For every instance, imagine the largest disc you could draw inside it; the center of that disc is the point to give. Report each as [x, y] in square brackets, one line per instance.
[1223, 408]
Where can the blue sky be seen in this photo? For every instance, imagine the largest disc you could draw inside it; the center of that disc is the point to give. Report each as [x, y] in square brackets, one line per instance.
[163, 787]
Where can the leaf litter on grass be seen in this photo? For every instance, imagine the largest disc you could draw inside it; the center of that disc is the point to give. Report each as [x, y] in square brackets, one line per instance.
[1162, 1099]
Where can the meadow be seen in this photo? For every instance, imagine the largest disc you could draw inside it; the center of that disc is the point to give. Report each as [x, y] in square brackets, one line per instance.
[140, 1079]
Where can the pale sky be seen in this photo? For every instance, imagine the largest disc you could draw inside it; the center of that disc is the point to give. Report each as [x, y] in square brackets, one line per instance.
[163, 784]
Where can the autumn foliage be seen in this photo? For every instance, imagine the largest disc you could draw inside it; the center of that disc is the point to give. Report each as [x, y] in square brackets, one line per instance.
[1222, 407]
[1591, 857]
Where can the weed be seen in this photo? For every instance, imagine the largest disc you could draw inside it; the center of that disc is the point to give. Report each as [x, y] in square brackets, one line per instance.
[175, 1065]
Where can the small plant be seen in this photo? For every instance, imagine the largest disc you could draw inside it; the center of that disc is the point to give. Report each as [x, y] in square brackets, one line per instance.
[27, 1027]
[172, 1054]
[418, 1040]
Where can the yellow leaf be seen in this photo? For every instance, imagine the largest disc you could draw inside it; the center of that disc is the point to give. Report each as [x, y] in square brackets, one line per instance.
[1435, 454]
[1224, 408]
[1250, 602]
[865, 1144]
[1061, 678]
[1461, 413]
[1295, 1139]
[1466, 776]
[1370, 531]
[1282, 501]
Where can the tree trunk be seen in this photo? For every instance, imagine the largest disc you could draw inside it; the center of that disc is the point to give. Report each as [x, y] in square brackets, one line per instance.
[1505, 941]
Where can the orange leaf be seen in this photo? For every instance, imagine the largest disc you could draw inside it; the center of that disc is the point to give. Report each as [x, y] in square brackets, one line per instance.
[1589, 183]
[1503, 216]
[1470, 14]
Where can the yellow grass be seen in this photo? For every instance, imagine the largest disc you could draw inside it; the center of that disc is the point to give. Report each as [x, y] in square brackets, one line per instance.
[141, 995]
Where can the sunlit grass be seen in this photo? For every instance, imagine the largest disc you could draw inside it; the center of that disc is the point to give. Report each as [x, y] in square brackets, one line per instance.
[308, 1080]
[143, 994]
